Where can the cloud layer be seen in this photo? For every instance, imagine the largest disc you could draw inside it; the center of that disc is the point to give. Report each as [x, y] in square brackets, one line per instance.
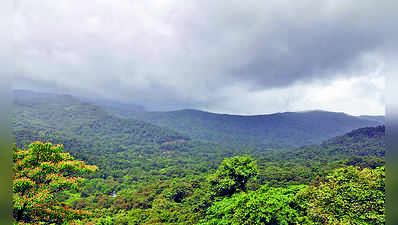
[225, 56]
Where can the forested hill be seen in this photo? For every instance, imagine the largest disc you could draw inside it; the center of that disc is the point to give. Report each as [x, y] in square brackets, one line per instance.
[70, 115]
[86, 130]
[280, 130]
[275, 130]
[361, 147]
[361, 142]
[119, 146]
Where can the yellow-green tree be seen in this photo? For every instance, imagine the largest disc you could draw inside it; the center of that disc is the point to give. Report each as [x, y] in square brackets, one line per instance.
[347, 196]
[40, 173]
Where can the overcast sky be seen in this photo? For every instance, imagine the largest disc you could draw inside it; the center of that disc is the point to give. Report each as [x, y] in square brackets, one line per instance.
[241, 57]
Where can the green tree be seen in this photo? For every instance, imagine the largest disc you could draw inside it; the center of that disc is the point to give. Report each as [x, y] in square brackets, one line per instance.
[40, 174]
[233, 175]
[346, 196]
[265, 206]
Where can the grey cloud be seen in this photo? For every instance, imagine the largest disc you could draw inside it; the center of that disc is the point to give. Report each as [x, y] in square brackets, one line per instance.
[192, 54]
[292, 42]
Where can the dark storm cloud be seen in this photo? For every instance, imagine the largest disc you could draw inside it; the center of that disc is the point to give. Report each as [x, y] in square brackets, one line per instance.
[293, 42]
[199, 54]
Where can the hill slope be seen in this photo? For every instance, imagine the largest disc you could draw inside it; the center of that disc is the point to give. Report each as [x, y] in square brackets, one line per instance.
[363, 147]
[368, 142]
[90, 133]
[69, 115]
[380, 119]
[272, 130]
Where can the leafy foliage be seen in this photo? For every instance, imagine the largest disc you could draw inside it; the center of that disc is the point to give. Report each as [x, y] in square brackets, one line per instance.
[40, 174]
[265, 206]
[346, 196]
[233, 175]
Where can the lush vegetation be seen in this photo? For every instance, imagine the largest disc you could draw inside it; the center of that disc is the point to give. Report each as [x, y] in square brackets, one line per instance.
[41, 173]
[267, 205]
[150, 174]
[348, 195]
[232, 175]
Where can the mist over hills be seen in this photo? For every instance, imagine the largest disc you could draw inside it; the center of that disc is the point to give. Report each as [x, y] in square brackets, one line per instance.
[381, 119]
[46, 116]
[289, 129]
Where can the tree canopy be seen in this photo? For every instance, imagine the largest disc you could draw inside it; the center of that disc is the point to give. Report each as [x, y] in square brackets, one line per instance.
[267, 205]
[347, 196]
[233, 175]
[40, 173]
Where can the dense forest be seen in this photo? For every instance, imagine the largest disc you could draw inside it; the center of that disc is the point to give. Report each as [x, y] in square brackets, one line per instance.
[279, 130]
[128, 166]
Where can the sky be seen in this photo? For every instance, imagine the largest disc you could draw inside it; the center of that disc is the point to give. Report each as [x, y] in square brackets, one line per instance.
[237, 57]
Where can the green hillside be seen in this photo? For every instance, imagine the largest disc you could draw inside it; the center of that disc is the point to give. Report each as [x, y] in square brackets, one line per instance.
[290, 129]
[90, 133]
[70, 115]
[365, 143]
[124, 124]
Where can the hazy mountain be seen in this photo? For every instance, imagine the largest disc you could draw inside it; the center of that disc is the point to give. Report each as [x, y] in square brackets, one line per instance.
[67, 113]
[112, 105]
[380, 119]
[279, 129]
[74, 118]
[119, 146]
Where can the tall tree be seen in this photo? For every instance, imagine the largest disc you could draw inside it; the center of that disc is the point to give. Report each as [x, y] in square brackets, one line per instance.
[40, 174]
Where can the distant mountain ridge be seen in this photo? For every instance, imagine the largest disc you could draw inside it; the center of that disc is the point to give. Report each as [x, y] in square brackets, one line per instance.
[273, 130]
[72, 117]
[112, 104]
[119, 146]
[278, 130]
[380, 119]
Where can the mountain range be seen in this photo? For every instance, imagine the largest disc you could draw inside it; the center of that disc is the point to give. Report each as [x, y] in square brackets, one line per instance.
[279, 130]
